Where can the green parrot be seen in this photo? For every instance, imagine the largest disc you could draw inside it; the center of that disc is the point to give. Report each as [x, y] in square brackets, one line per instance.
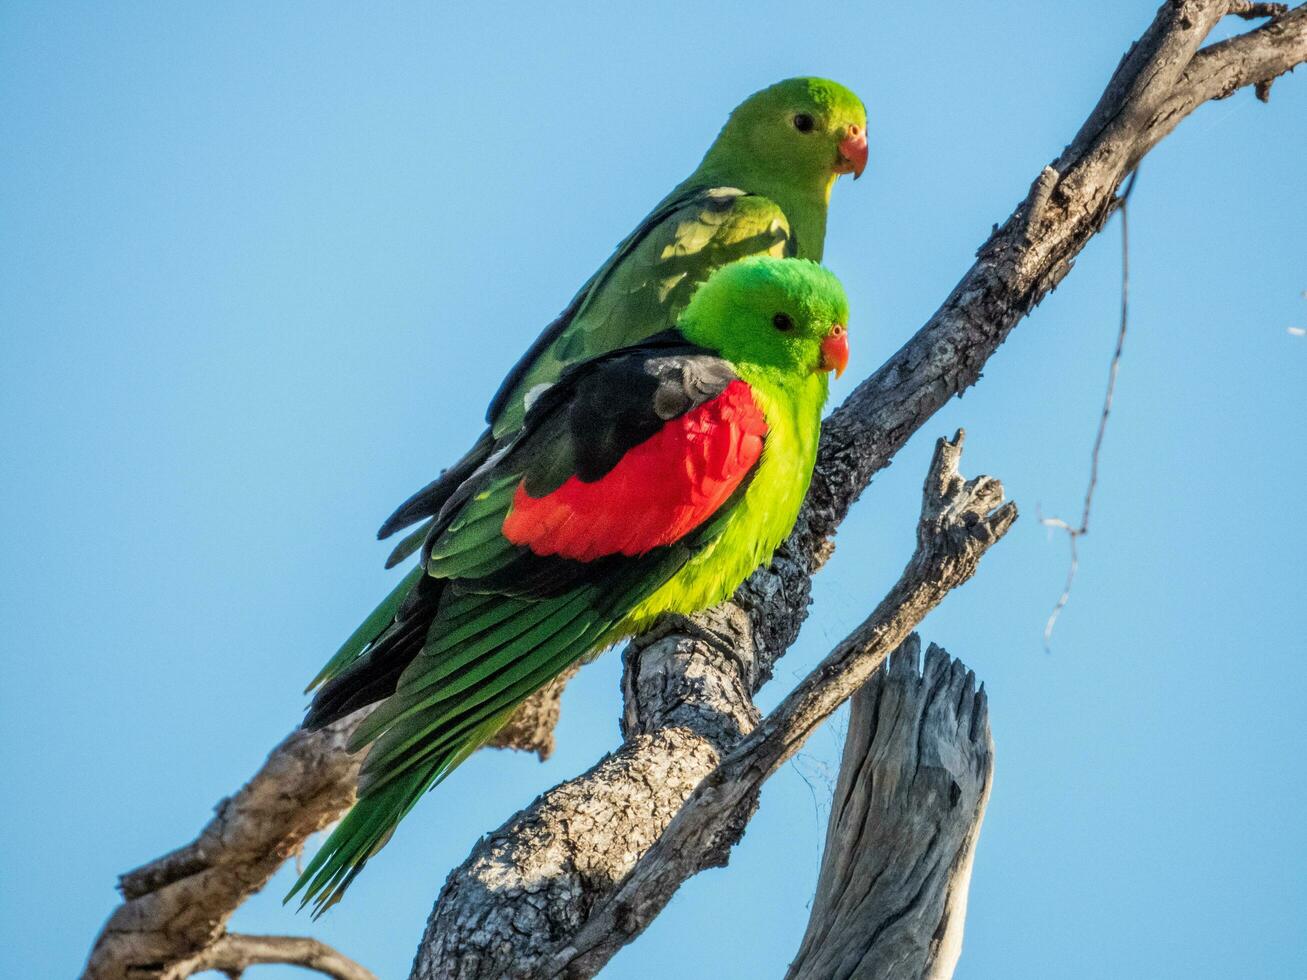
[763, 188]
[648, 480]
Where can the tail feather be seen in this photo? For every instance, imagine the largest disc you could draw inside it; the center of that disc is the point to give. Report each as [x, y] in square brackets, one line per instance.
[370, 823]
[410, 543]
[441, 688]
[449, 671]
[370, 679]
[428, 501]
[369, 671]
[369, 630]
[417, 749]
[413, 741]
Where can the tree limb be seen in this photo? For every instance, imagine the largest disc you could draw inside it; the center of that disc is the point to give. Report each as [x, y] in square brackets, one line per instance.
[177, 906]
[235, 953]
[914, 781]
[1257, 58]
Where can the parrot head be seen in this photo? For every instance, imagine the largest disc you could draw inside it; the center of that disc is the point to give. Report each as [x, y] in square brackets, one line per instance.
[781, 315]
[807, 129]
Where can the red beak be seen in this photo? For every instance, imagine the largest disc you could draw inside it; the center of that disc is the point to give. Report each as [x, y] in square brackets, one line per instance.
[853, 152]
[835, 350]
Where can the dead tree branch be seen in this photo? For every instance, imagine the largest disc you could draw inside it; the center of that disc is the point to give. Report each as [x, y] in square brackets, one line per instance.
[234, 953]
[914, 781]
[1257, 11]
[706, 673]
[177, 907]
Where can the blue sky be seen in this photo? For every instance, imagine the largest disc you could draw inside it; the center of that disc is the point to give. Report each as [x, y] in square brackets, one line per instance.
[262, 266]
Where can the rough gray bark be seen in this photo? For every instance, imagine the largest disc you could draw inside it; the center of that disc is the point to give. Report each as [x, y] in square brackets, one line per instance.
[918, 762]
[731, 651]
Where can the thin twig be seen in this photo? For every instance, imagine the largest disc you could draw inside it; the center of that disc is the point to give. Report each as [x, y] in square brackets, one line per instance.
[1074, 533]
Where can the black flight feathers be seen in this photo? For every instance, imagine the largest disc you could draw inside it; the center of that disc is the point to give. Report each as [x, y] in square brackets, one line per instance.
[581, 426]
[595, 414]
[428, 501]
[586, 423]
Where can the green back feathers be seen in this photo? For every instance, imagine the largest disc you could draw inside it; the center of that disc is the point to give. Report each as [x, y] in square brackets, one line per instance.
[645, 285]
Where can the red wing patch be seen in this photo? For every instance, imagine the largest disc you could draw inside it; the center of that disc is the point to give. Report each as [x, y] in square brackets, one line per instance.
[660, 491]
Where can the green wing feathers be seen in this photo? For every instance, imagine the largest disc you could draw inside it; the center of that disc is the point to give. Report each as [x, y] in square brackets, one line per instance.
[484, 655]
[371, 628]
[646, 284]
[368, 825]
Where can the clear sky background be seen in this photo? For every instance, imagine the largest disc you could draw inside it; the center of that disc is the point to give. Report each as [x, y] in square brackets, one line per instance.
[262, 266]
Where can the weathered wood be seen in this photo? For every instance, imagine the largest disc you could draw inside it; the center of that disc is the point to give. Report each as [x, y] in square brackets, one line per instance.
[177, 907]
[914, 781]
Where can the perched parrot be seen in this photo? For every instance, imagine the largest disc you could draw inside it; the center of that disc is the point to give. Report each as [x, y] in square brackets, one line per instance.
[763, 188]
[651, 479]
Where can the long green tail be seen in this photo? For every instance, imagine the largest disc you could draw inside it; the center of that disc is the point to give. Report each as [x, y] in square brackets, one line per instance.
[483, 656]
[368, 825]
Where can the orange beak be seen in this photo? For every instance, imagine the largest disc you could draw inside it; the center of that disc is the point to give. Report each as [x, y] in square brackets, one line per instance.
[835, 350]
[853, 152]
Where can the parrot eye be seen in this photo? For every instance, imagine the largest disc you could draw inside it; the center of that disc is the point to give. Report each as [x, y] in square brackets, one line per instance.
[782, 322]
[804, 123]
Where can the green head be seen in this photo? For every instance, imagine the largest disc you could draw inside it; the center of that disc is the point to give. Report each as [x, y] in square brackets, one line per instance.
[802, 130]
[786, 317]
